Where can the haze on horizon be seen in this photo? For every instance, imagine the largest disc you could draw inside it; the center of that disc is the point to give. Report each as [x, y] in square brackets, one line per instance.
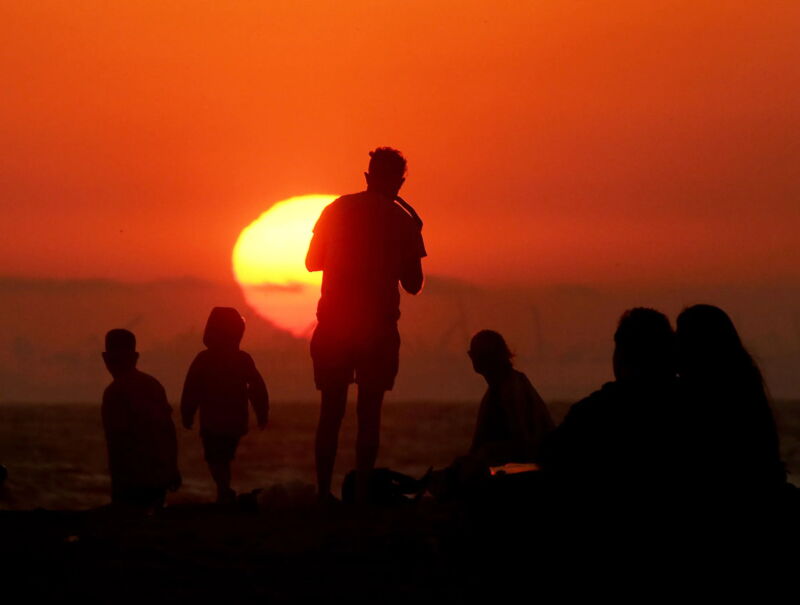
[569, 142]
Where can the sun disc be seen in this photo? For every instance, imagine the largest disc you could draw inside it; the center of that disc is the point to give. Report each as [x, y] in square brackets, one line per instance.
[269, 263]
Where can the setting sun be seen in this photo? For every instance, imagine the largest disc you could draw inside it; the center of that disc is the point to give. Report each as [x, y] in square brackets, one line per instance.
[269, 263]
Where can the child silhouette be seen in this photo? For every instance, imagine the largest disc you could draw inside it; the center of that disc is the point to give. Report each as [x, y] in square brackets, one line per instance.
[219, 383]
[140, 434]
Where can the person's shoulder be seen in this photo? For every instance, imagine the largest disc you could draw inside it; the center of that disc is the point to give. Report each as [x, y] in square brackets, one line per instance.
[516, 380]
[337, 211]
[403, 218]
[111, 392]
[202, 357]
[343, 203]
[520, 377]
[595, 401]
[148, 381]
[521, 380]
[244, 357]
[350, 198]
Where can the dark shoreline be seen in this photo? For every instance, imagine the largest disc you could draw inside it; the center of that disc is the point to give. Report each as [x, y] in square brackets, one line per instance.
[424, 552]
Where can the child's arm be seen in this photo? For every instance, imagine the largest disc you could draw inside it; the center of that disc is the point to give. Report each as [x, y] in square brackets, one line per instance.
[117, 428]
[192, 392]
[257, 393]
[170, 439]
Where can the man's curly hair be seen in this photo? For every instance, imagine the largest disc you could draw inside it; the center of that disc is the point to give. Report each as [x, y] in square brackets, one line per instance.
[386, 162]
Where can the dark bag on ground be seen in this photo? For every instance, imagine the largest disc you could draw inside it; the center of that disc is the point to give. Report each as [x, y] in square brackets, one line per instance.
[385, 487]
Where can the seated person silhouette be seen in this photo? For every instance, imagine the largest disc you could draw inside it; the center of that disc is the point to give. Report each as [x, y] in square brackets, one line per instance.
[513, 421]
[619, 439]
[364, 244]
[219, 383]
[734, 446]
[512, 425]
[140, 434]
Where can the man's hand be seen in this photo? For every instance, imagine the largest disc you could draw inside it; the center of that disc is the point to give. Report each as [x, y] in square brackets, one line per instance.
[408, 208]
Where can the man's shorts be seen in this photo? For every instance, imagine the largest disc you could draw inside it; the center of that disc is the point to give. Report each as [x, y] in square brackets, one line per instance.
[219, 449]
[370, 360]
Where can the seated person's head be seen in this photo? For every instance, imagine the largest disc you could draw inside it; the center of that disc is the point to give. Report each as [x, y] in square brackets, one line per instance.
[224, 329]
[644, 346]
[120, 355]
[489, 353]
[708, 344]
[387, 171]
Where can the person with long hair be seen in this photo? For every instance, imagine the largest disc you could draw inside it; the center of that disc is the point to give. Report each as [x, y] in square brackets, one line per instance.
[734, 442]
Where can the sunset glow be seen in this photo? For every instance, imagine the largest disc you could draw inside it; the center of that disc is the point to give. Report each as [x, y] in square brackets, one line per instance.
[269, 263]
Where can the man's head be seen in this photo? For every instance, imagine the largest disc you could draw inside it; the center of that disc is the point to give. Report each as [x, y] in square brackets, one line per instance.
[489, 353]
[645, 346]
[387, 171]
[120, 355]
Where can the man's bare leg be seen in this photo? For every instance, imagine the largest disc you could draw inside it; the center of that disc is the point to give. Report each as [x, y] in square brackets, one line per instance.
[370, 402]
[331, 413]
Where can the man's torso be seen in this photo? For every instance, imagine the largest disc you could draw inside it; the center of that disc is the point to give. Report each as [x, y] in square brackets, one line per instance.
[368, 241]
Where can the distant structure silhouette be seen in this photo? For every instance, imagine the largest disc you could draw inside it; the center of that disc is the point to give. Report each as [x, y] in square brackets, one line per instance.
[364, 244]
[139, 431]
[620, 440]
[219, 383]
[734, 446]
[513, 420]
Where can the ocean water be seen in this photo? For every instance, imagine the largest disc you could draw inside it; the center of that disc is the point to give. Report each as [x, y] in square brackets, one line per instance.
[56, 457]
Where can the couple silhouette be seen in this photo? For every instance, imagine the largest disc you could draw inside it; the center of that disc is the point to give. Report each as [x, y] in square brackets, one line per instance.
[687, 417]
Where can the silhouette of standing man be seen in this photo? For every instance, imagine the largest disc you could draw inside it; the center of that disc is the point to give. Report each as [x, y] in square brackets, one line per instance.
[364, 243]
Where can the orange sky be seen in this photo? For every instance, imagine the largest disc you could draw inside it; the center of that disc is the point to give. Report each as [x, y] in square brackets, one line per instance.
[547, 141]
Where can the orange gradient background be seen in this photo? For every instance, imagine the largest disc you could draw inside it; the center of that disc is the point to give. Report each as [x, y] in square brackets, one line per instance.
[547, 141]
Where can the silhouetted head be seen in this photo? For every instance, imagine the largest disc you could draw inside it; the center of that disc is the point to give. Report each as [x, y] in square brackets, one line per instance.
[224, 329]
[387, 171]
[644, 346]
[709, 346]
[489, 353]
[120, 354]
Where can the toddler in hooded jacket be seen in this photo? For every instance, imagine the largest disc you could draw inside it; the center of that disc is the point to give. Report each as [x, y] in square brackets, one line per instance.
[220, 383]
